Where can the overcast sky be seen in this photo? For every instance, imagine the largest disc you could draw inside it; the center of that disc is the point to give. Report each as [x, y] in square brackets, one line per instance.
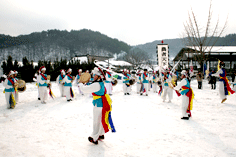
[132, 21]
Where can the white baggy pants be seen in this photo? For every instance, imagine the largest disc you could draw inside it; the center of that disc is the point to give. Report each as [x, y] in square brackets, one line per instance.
[98, 129]
[138, 85]
[146, 87]
[7, 96]
[154, 86]
[61, 88]
[222, 90]
[126, 89]
[167, 91]
[184, 107]
[43, 93]
[67, 92]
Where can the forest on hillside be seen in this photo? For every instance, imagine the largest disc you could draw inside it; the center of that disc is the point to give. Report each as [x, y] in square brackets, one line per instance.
[53, 44]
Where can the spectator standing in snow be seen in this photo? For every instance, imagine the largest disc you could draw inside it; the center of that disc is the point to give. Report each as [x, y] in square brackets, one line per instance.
[212, 80]
[199, 79]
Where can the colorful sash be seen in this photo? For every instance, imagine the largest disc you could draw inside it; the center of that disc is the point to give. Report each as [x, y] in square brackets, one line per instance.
[72, 93]
[106, 111]
[145, 74]
[190, 95]
[45, 78]
[12, 101]
[70, 76]
[227, 88]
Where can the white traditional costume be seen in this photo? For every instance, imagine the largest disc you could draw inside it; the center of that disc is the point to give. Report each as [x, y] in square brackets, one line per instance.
[59, 82]
[138, 82]
[67, 81]
[145, 82]
[101, 110]
[126, 84]
[166, 89]
[77, 78]
[43, 83]
[10, 90]
[154, 82]
[187, 96]
[224, 87]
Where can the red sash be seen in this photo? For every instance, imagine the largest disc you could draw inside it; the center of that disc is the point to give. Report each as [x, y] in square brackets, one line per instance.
[12, 82]
[62, 76]
[126, 75]
[145, 74]
[109, 73]
[69, 76]
[45, 78]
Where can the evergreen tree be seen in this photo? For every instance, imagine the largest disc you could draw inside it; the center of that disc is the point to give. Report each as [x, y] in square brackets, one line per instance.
[9, 64]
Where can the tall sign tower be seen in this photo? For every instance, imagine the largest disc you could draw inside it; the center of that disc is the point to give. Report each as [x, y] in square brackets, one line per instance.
[162, 55]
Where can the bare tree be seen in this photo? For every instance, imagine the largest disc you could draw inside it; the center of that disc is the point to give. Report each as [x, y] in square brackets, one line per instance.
[137, 57]
[202, 39]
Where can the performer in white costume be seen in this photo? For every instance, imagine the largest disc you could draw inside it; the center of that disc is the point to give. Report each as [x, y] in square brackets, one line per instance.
[187, 96]
[77, 78]
[36, 79]
[101, 103]
[43, 83]
[59, 82]
[138, 82]
[166, 77]
[126, 84]
[154, 82]
[9, 90]
[224, 87]
[67, 81]
[150, 79]
[145, 82]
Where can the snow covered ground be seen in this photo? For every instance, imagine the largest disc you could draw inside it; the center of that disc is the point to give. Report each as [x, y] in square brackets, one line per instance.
[145, 126]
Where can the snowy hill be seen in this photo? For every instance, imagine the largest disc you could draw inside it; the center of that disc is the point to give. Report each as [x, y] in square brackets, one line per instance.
[145, 126]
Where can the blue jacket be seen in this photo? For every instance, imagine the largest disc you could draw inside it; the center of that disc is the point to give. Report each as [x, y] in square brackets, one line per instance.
[101, 92]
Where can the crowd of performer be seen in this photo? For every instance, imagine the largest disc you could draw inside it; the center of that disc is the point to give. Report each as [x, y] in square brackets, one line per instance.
[100, 86]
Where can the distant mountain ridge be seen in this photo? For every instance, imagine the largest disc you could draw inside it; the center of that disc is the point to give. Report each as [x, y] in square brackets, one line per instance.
[52, 44]
[57, 44]
[175, 45]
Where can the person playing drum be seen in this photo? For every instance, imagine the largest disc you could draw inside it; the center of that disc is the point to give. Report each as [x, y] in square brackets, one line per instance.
[102, 107]
[9, 90]
[16, 93]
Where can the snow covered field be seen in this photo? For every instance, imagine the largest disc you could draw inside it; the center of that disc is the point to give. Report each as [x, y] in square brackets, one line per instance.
[145, 126]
